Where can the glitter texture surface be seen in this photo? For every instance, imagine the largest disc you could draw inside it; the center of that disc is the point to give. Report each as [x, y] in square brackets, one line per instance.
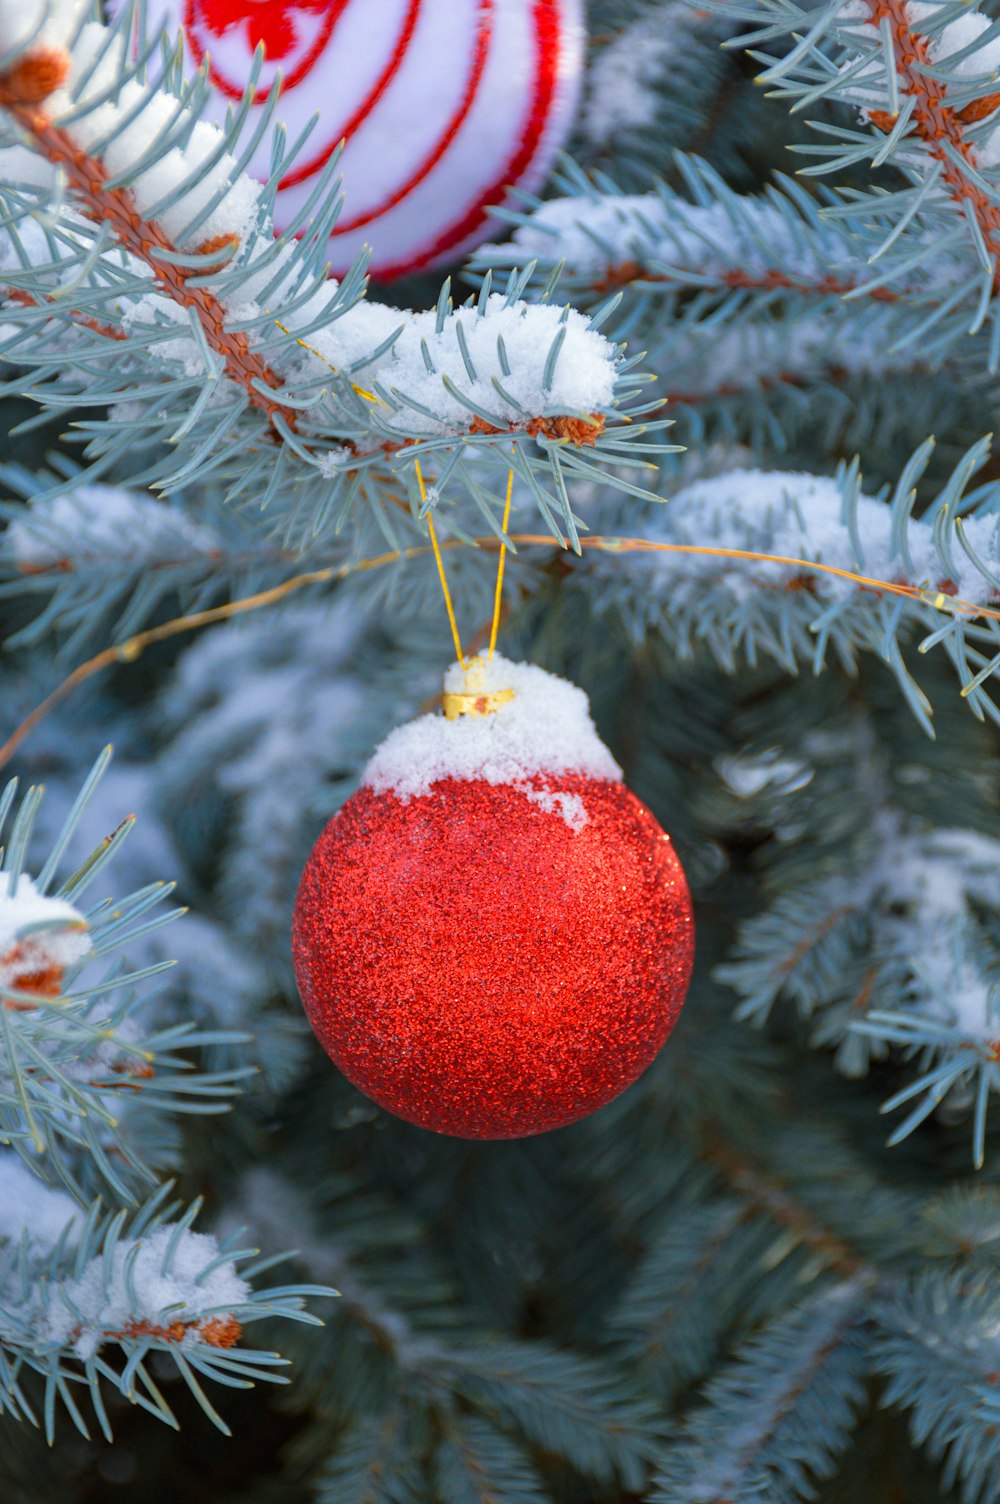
[478, 966]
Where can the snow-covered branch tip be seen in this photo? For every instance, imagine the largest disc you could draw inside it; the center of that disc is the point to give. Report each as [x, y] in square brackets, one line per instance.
[78, 1061]
[86, 1300]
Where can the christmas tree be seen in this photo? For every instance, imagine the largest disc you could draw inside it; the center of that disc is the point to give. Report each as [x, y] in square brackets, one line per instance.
[700, 423]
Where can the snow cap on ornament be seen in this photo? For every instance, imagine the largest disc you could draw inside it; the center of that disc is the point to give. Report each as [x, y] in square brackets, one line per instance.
[444, 106]
[493, 937]
[39, 938]
[506, 724]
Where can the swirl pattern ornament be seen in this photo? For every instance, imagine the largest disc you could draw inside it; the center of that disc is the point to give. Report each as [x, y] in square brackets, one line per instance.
[443, 105]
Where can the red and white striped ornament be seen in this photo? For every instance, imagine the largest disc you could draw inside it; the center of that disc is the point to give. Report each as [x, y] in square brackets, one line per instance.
[444, 105]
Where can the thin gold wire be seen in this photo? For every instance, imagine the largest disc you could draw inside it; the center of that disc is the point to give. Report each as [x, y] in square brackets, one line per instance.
[439, 561]
[132, 647]
[368, 396]
[498, 598]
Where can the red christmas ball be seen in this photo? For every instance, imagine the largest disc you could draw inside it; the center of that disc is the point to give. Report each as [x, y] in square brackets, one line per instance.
[492, 959]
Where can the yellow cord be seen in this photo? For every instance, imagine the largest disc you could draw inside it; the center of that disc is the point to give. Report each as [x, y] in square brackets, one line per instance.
[368, 396]
[495, 625]
[440, 568]
[130, 650]
[497, 599]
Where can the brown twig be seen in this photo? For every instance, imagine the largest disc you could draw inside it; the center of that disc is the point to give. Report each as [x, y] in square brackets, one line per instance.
[811, 940]
[934, 121]
[220, 1331]
[624, 272]
[128, 651]
[578, 431]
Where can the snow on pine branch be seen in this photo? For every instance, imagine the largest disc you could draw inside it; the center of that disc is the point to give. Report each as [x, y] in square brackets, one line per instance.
[742, 291]
[206, 976]
[180, 1300]
[85, 1298]
[929, 885]
[96, 561]
[747, 300]
[810, 517]
[80, 1066]
[914, 891]
[40, 936]
[707, 365]
[921, 79]
[168, 1298]
[628, 73]
[773, 240]
[889, 938]
[738, 608]
[32, 1210]
[95, 522]
[79, 1292]
[167, 248]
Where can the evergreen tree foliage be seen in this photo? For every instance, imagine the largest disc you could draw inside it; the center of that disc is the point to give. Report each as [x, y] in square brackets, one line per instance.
[763, 288]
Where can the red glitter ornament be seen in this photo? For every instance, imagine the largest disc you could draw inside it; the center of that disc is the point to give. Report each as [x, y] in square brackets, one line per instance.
[494, 959]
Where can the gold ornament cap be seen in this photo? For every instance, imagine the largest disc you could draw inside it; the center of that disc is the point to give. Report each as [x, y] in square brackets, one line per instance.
[477, 696]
